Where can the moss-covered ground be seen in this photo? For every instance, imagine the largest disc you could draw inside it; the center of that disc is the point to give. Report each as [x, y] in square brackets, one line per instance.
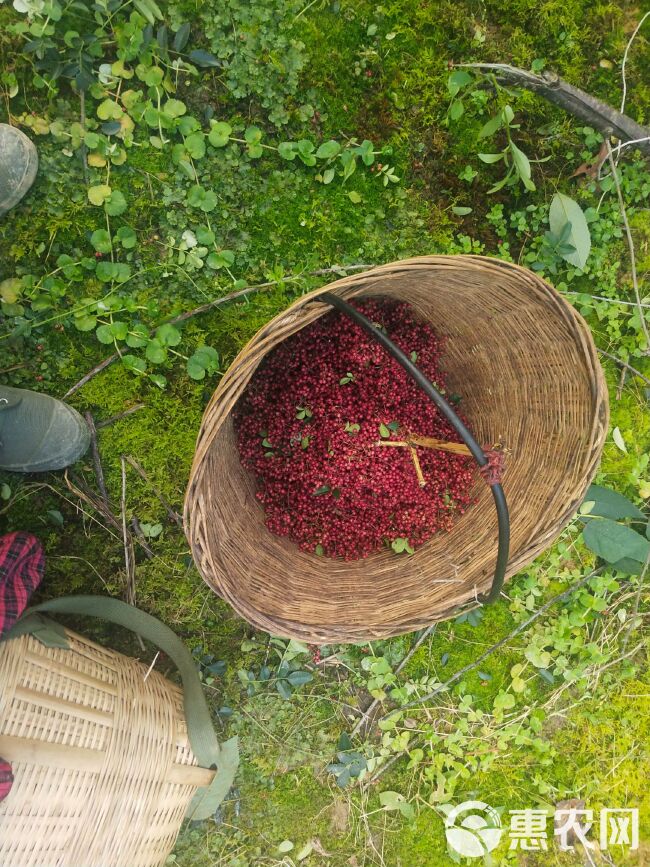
[376, 72]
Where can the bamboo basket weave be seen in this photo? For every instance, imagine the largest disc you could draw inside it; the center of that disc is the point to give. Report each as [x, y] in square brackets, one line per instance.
[103, 769]
[527, 369]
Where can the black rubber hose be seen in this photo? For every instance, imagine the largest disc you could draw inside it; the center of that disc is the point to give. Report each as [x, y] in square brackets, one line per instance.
[448, 411]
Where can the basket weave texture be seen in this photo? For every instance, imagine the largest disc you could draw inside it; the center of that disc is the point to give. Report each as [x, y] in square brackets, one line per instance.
[103, 770]
[528, 372]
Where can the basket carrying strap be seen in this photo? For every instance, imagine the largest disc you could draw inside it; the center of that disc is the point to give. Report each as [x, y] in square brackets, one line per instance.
[203, 740]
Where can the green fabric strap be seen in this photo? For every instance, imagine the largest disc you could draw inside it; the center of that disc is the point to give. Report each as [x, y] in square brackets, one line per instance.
[203, 740]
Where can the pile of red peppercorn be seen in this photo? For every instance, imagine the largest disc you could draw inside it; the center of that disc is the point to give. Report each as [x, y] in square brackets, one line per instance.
[311, 424]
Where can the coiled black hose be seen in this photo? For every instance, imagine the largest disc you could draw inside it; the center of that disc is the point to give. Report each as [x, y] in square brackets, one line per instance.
[448, 411]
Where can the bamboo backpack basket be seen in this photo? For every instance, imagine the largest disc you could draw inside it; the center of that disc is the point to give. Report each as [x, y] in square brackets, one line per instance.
[103, 752]
[525, 364]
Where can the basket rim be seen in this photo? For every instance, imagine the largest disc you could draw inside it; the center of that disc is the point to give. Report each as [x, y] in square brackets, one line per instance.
[237, 377]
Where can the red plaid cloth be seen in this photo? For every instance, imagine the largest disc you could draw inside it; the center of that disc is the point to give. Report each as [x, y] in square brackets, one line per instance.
[6, 779]
[21, 571]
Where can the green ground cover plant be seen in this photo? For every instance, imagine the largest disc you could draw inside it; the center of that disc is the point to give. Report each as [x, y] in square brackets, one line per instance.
[202, 165]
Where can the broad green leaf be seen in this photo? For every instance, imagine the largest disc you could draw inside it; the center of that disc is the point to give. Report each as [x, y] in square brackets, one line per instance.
[461, 211]
[564, 210]
[613, 541]
[629, 566]
[611, 504]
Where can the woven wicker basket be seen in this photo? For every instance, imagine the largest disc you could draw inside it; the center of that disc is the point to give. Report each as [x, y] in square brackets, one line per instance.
[526, 366]
[103, 770]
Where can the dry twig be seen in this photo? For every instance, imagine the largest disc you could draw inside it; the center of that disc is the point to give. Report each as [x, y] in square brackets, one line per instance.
[99, 472]
[630, 244]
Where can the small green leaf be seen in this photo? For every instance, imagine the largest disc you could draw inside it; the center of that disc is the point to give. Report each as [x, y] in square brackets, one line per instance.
[384, 432]
[456, 109]
[195, 370]
[127, 237]
[168, 335]
[458, 79]
[98, 194]
[156, 352]
[522, 164]
[391, 800]
[490, 158]
[617, 436]
[104, 334]
[55, 517]
[328, 150]
[354, 197]
[222, 259]
[134, 363]
[495, 123]
[101, 241]
[219, 134]
[195, 145]
[115, 204]
[565, 211]
[287, 150]
[203, 58]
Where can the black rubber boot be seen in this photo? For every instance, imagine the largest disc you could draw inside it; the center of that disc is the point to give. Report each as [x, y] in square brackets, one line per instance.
[39, 432]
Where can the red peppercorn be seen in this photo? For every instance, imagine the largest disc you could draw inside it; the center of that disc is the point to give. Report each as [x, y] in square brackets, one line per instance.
[309, 425]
